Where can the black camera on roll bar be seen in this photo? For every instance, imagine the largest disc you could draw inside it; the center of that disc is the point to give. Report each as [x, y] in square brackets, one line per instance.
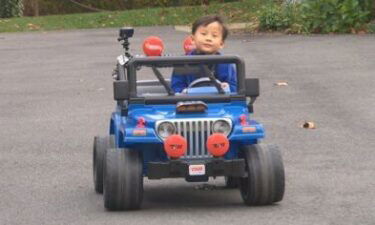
[125, 33]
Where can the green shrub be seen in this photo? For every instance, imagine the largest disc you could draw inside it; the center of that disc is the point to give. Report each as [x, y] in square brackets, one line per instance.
[271, 18]
[325, 16]
[279, 17]
[10, 8]
[316, 16]
[371, 28]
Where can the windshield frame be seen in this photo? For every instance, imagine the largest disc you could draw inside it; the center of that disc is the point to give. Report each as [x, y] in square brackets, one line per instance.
[171, 61]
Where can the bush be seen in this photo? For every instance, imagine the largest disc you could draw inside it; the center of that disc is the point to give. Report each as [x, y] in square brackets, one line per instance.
[271, 18]
[280, 17]
[10, 8]
[371, 28]
[316, 16]
[325, 16]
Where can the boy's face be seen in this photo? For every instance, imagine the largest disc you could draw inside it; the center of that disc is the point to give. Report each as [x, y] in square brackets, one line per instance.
[209, 39]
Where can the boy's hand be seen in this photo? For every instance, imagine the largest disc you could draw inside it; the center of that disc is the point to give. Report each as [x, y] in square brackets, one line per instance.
[224, 85]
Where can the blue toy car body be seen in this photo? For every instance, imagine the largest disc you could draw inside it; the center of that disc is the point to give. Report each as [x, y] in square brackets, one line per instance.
[148, 113]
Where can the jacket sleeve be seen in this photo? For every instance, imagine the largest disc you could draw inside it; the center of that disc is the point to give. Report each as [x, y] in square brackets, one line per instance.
[228, 73]
[178, 82]
[232, 78]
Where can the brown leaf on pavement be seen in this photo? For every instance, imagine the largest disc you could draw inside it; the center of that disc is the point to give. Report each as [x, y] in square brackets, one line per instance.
[281, 83]
[308, 125]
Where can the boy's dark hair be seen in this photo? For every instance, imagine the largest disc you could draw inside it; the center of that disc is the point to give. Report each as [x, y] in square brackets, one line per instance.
[205, 20]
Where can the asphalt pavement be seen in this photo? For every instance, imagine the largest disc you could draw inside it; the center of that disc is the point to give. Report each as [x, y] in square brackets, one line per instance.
[56, 95]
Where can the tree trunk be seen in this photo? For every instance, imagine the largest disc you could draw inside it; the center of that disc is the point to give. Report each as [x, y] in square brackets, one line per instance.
[36, 7]
[129, 4]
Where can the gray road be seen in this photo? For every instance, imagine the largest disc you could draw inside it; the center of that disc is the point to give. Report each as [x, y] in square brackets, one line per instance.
[55, 95]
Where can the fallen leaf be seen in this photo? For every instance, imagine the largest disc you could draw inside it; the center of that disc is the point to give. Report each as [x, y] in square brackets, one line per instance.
[281, 83]
[33, 26]
[308, 125]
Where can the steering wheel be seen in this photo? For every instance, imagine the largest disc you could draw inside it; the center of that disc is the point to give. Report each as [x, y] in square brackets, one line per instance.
[203, 82]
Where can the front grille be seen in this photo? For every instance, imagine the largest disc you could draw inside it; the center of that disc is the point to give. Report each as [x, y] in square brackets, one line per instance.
[196, 132]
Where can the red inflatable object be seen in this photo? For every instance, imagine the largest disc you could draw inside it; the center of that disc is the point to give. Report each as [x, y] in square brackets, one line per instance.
[175, 146]
[188, 45]
[217, 144]
[153, 46]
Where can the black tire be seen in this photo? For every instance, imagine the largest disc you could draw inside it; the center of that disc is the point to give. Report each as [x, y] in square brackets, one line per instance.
[265, 183]
[101, 144]
[123, 180]
[232, 182]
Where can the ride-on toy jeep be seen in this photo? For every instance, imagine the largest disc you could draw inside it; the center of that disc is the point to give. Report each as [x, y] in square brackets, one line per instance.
[204, 132]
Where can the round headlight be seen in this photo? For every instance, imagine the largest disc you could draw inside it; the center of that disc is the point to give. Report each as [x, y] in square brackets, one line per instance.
[221, 126]
[166, 129]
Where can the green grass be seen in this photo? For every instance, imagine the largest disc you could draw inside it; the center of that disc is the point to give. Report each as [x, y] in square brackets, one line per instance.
[242, 11]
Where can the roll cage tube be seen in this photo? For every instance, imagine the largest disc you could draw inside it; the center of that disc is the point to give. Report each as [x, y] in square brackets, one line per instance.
[162, 80]
[170, 61]
[204, 70]
[211, 76]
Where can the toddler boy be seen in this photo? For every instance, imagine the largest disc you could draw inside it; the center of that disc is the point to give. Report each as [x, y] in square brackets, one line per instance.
[208, 35]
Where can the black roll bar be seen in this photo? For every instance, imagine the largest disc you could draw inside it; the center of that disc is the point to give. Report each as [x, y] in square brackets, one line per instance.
[183, 60]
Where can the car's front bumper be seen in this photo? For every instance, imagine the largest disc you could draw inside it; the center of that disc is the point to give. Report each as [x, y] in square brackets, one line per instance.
[213, 167]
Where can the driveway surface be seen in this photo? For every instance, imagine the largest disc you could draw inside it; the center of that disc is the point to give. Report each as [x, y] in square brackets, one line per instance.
[56, 94]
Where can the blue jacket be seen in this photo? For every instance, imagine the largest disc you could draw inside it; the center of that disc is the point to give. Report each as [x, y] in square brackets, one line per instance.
[223, 72]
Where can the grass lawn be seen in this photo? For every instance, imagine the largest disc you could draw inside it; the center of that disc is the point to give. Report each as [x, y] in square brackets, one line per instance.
[243, 11]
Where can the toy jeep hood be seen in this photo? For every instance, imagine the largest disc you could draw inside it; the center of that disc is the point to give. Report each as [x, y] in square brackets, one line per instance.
[159, 112]
[151, 114]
